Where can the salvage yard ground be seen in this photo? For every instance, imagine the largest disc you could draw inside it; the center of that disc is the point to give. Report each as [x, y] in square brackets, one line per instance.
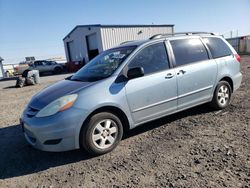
[195, 148]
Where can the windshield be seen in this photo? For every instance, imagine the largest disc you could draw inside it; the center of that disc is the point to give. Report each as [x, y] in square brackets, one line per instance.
[104, 65]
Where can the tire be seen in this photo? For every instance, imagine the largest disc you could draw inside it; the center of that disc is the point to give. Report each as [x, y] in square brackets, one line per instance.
[222, 95]
[101, 134]
[57, 70]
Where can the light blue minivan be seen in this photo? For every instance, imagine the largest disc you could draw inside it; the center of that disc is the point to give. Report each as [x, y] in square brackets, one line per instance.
[129, 85]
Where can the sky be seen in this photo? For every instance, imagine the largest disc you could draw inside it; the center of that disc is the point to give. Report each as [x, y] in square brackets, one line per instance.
[37, 27]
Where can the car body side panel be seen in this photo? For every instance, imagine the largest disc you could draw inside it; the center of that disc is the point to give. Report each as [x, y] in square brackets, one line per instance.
[237, 81]
[196, 84]
[103, 94]
[229, 67]
[152, 96]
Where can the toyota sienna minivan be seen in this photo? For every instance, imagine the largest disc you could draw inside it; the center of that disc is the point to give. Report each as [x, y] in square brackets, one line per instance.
[129, 85]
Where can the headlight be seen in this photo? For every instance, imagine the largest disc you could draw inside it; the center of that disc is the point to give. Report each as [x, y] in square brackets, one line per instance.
[57, 105]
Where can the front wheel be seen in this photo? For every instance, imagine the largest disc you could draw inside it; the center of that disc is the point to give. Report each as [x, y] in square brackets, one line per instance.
[222, 95]
[101, 134]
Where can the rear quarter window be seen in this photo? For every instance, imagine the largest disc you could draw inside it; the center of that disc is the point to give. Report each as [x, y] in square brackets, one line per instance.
[217, 47]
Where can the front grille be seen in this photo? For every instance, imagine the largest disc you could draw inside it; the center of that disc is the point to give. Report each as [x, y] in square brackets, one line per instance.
[31, 112]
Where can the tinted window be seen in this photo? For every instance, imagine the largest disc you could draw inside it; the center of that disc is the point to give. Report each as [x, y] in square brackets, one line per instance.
[50, 63]
[152, 58]
[217, 47]
[188, 51]
[38, 63]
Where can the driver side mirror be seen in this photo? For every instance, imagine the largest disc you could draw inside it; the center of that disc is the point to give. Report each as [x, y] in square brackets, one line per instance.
[135, 72]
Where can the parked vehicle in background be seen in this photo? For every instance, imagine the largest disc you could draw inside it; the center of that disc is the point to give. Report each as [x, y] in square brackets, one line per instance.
[43, 66]
[129, 85]
[47, 66]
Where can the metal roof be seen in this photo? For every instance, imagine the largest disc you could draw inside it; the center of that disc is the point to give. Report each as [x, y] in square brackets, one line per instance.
[133, 43]
[117, 26]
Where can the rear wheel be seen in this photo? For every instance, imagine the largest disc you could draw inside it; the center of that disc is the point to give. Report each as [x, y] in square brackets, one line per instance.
[57, 70]
[102, 133]
[222, 95]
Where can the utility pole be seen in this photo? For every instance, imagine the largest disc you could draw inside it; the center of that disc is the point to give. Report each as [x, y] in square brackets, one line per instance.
[231, 34]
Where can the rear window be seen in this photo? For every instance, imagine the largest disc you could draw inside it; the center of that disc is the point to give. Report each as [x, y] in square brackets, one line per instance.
[217, 47]
[188, 51]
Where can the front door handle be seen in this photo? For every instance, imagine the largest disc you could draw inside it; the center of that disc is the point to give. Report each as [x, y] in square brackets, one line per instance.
[169, 75]
[181, 72]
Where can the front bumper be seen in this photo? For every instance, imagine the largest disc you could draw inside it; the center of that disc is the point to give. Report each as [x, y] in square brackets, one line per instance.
[59, 132]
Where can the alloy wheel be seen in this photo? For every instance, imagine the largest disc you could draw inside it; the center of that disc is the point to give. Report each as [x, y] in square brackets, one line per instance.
[104, 134]
[223, 95]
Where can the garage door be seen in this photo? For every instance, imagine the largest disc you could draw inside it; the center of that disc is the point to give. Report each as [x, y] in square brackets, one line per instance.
[92, 46]
[71, 50]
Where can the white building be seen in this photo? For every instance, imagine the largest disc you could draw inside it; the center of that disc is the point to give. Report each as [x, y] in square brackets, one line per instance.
[86, 41]
[1, 69]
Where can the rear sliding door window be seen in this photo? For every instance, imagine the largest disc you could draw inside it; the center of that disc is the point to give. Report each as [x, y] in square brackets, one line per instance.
[217, 47]
[188, 51]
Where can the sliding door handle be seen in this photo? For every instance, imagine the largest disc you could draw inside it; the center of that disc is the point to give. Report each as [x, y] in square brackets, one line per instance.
[169, 75]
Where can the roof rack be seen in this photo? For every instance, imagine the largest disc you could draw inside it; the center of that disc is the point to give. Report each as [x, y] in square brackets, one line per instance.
[180, 33]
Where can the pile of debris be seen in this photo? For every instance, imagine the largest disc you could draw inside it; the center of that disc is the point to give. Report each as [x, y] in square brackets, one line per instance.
[28, 78]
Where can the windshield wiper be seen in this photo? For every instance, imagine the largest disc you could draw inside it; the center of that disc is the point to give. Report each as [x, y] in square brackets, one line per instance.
[68, 78]
[76, 79]
[87, 79]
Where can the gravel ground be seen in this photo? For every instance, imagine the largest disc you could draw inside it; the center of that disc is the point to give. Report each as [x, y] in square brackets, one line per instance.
[195, 148]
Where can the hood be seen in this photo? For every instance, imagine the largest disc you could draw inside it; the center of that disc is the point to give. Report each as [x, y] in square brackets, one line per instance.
[56, 91]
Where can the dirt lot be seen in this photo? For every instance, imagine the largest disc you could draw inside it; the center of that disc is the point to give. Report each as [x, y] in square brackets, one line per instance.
[195, 148]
